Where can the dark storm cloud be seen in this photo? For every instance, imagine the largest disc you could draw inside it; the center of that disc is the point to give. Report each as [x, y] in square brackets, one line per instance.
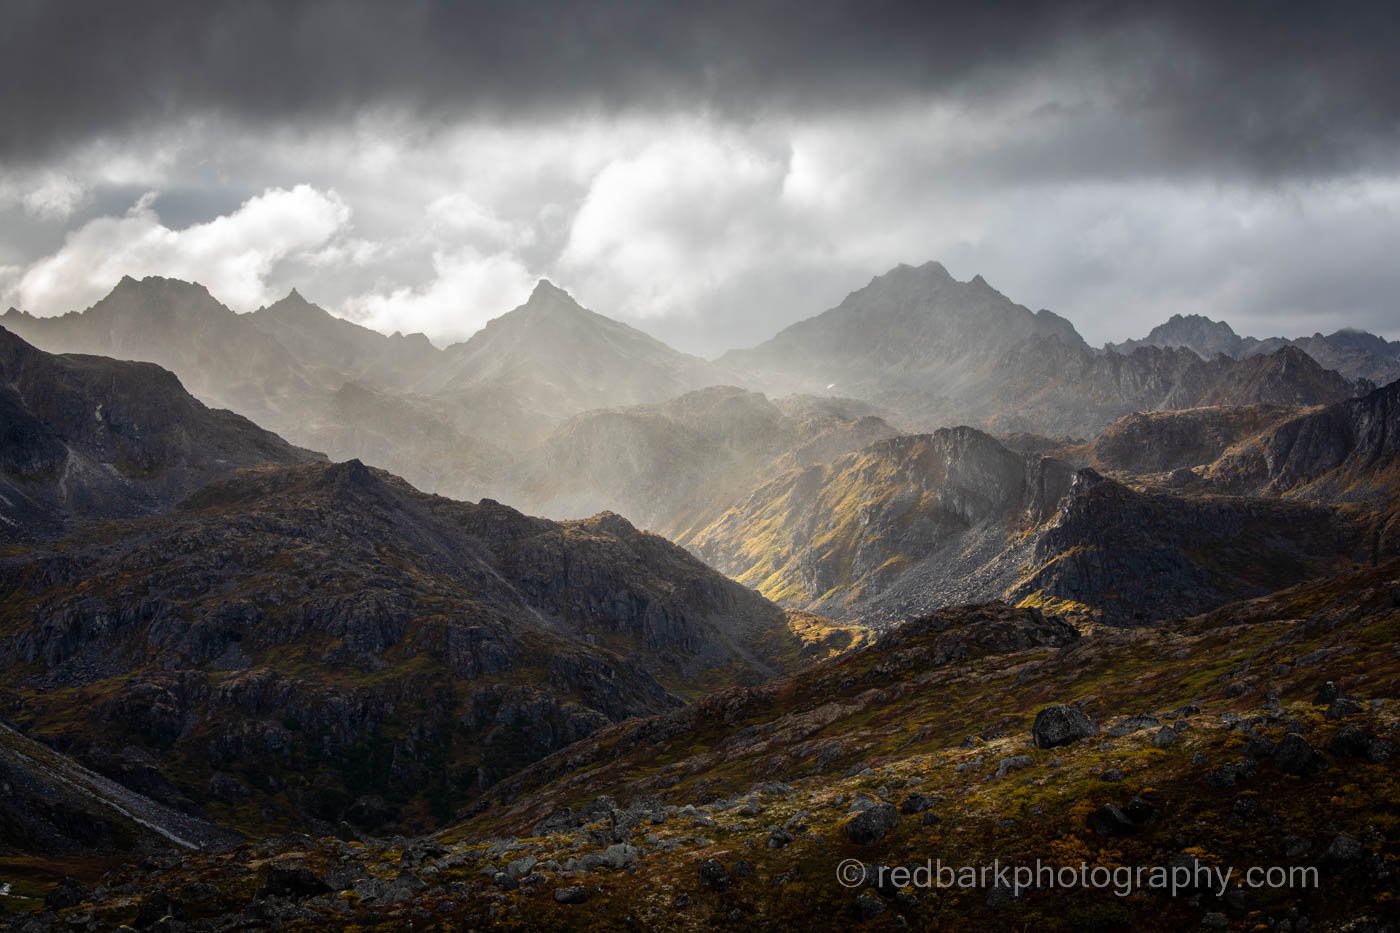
[1268, 88]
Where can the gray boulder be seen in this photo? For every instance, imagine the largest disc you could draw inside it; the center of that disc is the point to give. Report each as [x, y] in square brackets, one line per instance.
[1295, 755]
[1061, 724]
[872, 825]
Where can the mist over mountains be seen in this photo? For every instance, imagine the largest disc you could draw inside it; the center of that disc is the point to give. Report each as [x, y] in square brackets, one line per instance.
[925, 350]
[276, 572]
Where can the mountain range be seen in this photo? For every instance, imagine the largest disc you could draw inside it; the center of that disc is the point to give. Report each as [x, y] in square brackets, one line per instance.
[919, 348]
[809, 601]
[1353, 353]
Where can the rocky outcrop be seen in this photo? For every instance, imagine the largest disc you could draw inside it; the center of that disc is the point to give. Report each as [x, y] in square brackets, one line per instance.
[293, 640]
[1125, 556]
[85, 437]
[918, 510]
[1166, 441]
[1345, 452]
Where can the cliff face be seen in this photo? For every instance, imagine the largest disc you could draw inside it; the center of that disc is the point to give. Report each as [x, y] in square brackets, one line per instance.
[308, 644]
[900, 524]
[1349, 452]
[84, 437]
[1126, 557]
[1164, 441]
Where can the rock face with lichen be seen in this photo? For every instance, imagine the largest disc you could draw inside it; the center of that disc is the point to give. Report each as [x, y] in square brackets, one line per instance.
[899, 527]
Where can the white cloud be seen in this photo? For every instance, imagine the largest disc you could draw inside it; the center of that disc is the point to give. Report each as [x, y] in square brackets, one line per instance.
[663, 228]
[459, 215]
[231, 255]
[713, 234]
[55, 197]
[468, 289]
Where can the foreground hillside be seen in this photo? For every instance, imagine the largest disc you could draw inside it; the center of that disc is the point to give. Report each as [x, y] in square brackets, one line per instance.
[1263, 734]
[299, 646]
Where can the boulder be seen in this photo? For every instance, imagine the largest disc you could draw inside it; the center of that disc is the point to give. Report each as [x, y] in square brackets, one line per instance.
[915, 803]
[293, 880]
[714, 875]
[1059, 725]
[1013, 763]
[868, 906]
[1109, 820]
[872, 825]
[1294, 755]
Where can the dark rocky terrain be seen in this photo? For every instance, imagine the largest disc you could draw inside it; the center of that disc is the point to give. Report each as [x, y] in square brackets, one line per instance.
[1125, 556]
[1152, 621]
[53, 805]
[1262, 734]
[306, 645]
[84, 437]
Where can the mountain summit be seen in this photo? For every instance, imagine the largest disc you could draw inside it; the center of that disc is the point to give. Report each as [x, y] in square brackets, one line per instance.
[551, 358]
[912, 323]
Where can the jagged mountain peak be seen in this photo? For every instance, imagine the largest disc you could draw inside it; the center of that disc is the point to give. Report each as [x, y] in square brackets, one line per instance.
[159, 284]
[917, 326]
[931, 270]
[294, 304]
[544, 289]
[551, 358]
[550, 305]
[158, 298]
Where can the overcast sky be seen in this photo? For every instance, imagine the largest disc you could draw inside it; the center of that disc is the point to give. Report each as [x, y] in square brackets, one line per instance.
[709, 172]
